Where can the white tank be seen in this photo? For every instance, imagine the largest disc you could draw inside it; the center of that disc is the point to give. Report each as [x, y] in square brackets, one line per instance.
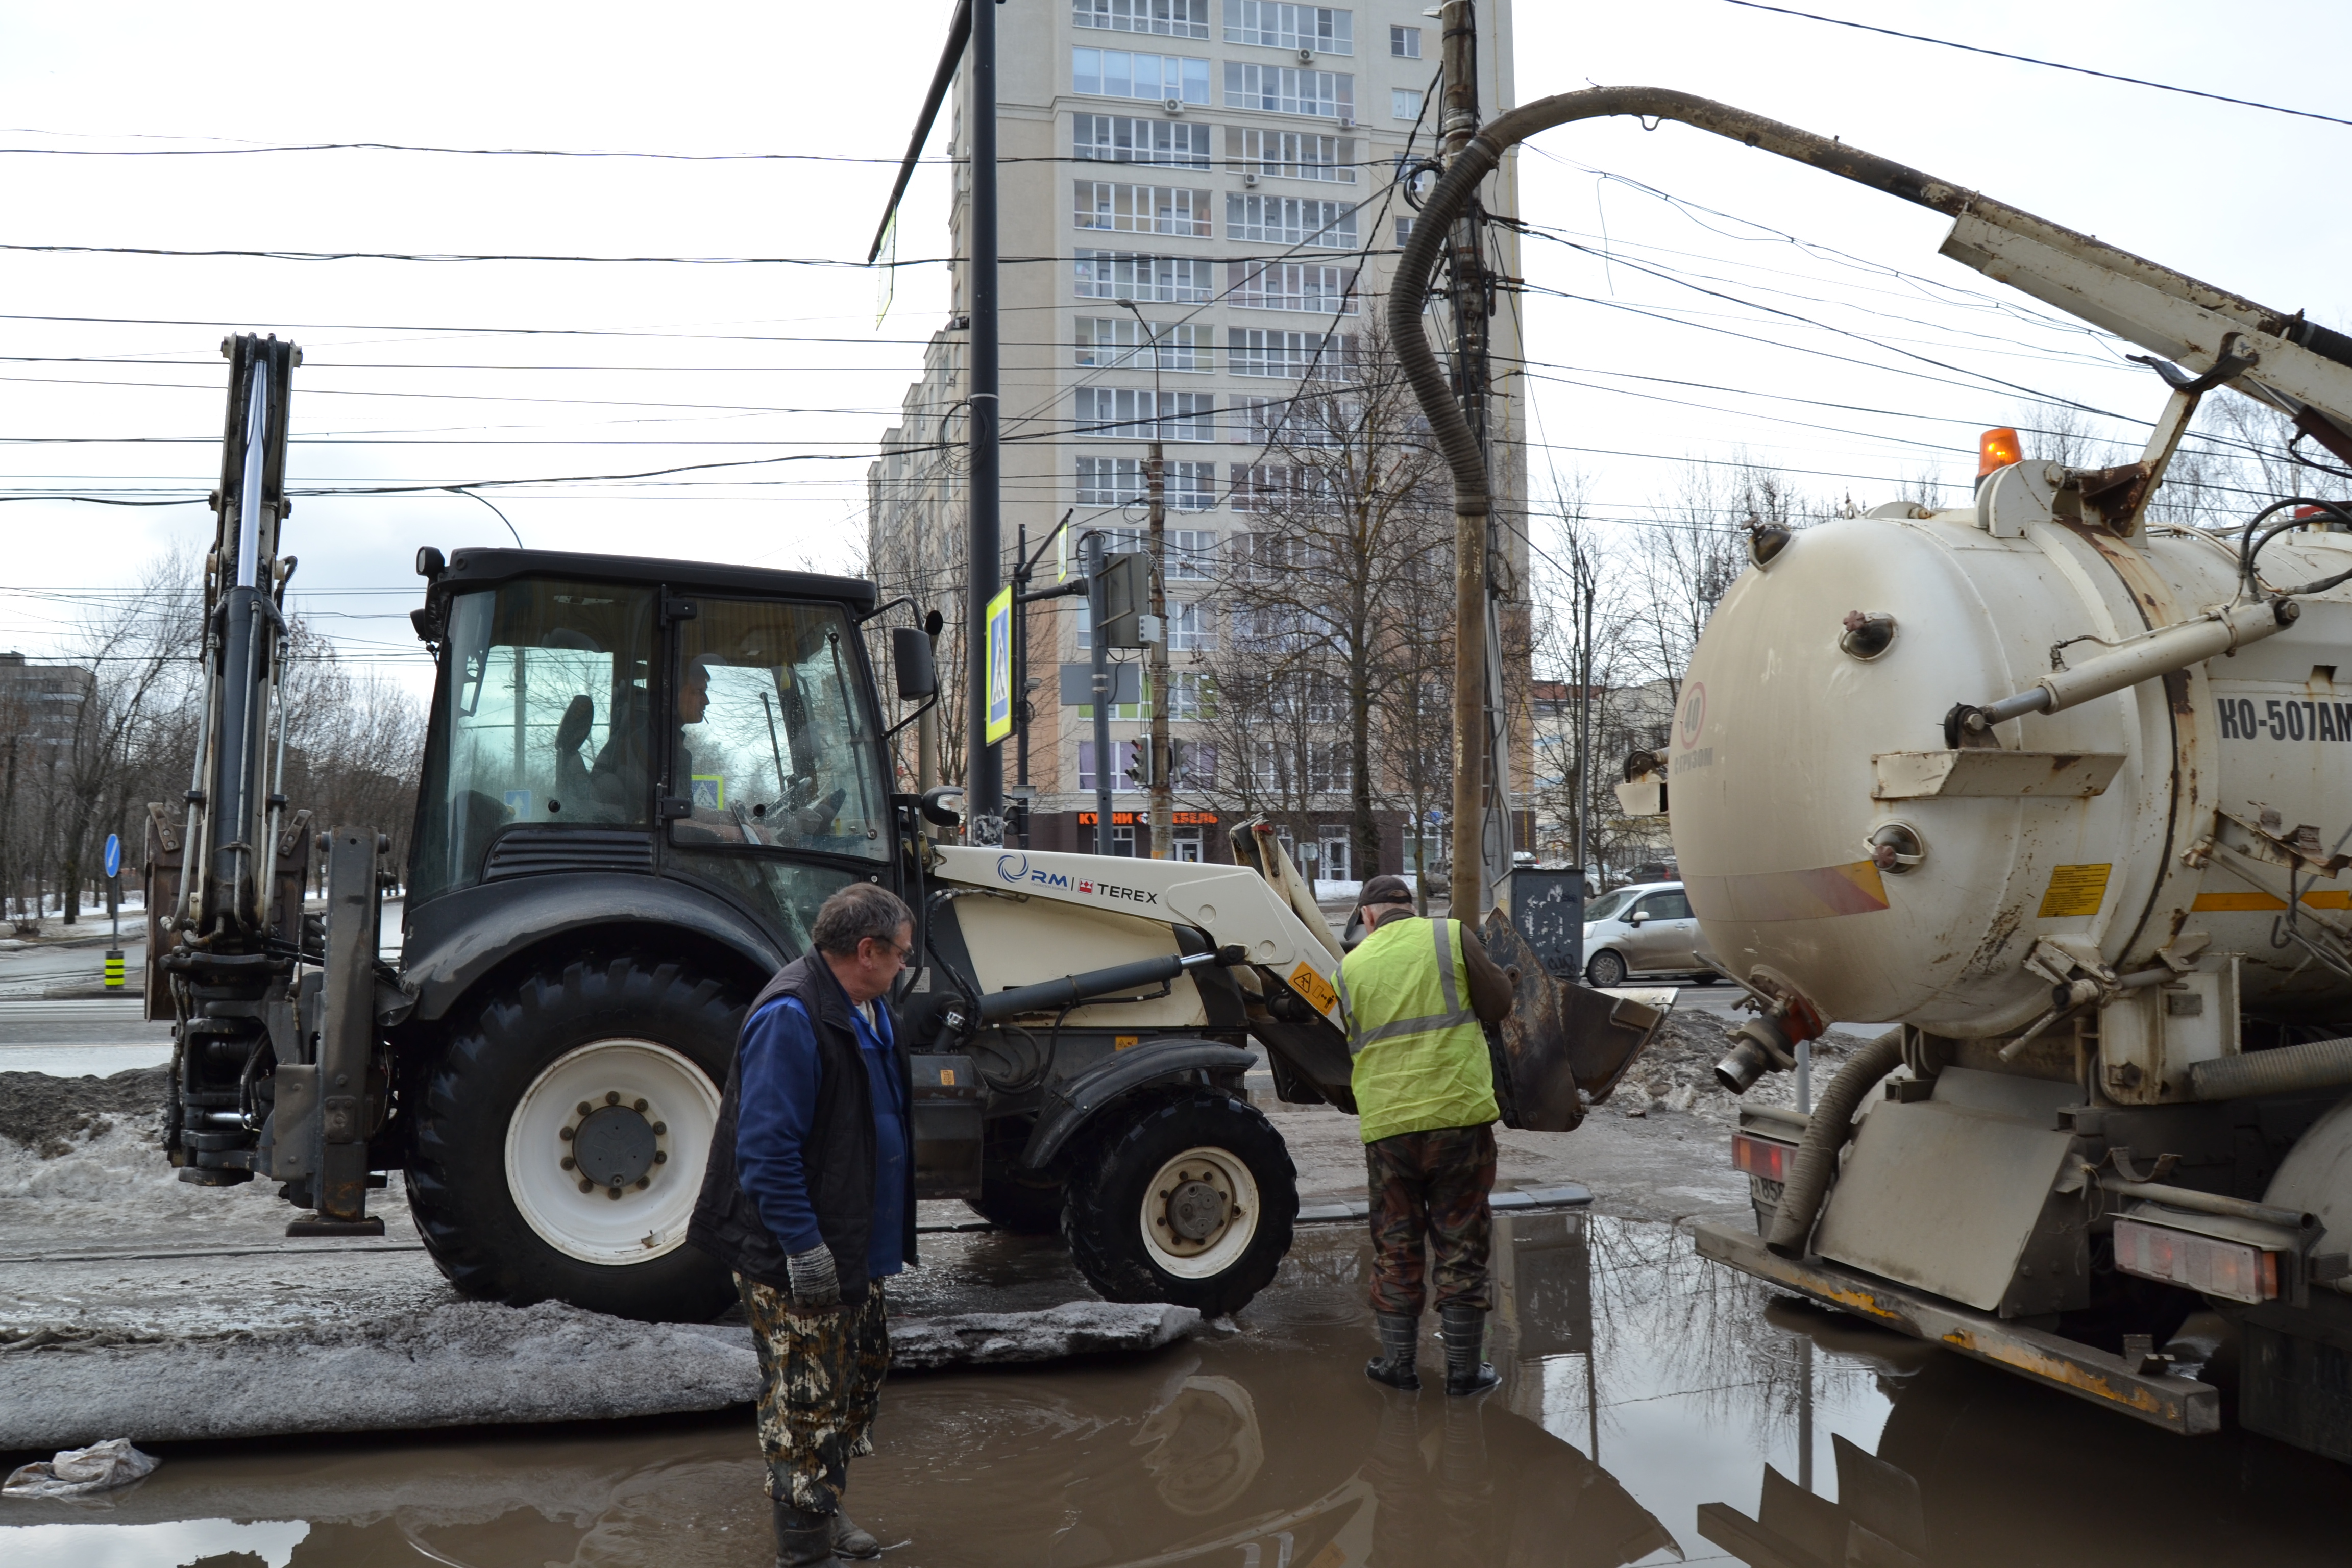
[1789, 755]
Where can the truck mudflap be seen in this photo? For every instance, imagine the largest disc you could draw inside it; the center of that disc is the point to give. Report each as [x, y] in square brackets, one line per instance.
[1565, 1046]
[2176, 1404]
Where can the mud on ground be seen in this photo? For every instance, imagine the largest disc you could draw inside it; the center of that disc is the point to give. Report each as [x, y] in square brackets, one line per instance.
[49, 1115]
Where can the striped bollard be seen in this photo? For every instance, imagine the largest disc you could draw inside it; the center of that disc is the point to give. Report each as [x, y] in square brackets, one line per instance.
[114, 969]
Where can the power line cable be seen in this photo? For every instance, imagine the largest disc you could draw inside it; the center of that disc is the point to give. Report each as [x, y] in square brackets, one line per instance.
[2046, 65]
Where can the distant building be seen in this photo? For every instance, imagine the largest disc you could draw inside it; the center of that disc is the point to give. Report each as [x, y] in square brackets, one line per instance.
[1228, 167]
[1625, 719]
[42, 704]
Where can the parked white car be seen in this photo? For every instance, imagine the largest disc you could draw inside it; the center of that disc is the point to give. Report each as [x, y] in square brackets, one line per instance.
[1642, 930]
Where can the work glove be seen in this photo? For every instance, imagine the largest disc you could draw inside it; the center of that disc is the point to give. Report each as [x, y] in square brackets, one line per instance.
[815, 1286]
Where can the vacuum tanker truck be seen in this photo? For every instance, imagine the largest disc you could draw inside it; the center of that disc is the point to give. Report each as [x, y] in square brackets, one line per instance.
[2066, 795]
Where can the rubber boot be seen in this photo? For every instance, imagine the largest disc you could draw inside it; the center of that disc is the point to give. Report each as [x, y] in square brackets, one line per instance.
[1464, 1329]
[804, 1539]
[1399, 1346]
[850, 1541]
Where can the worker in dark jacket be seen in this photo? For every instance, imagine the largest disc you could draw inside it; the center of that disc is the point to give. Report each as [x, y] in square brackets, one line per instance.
[1414, 995]
[810, 1198]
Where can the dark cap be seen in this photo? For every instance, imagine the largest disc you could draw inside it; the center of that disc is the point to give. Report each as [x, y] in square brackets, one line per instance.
[1384, 890]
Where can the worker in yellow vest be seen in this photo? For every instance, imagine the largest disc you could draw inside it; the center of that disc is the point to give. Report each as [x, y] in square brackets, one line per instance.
[1414, 996]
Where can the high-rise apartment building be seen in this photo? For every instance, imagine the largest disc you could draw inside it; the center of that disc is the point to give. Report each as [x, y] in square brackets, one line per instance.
[1199, 210]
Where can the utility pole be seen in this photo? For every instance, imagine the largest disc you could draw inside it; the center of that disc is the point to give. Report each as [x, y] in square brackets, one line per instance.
[1472, 733]
[1025, 711]
[984, 772]
[1098, 611]
[1585, 587]
[1163, 797]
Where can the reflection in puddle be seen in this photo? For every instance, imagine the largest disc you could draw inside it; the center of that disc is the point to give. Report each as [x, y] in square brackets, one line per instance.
[1641, 1388]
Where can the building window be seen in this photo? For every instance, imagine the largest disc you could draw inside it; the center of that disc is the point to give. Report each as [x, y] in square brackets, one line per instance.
[1271, 487]
[1404, 103]
[1404, 43]
[1169, 18]
[1192, 551]
[1299, 155]
[1323, 28]
[1262, 350]
[1403, 231]
[1116, 139]
[1123, 769]
[1117, 73]
[1143, 209]
[1132, 275]
[1122, 413]
[1125, 482]
[1301, 767]
[1189, 699]
[1285, 421]
[1116, 343]
[1191, 628]
[1290, 220]
[1290, 286]
[1290, 90]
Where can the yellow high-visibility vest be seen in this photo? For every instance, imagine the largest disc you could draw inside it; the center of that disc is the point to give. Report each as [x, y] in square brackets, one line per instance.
[1420, 1054]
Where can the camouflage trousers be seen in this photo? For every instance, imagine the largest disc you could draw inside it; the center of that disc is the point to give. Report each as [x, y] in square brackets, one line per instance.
[820, 1382]
[1432, 1183]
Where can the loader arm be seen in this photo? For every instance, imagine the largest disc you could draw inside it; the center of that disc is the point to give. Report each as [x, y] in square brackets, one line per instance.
[1233, 904]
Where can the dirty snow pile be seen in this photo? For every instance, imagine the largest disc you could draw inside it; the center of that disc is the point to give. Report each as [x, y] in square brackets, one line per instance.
[82, 1167]
[133, 1304]
[1677, 1070]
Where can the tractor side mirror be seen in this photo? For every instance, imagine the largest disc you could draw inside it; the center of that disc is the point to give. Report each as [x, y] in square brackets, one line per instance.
[910, 656]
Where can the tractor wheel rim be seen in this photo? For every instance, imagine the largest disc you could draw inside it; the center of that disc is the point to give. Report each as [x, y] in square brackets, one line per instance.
[1200, 1213]
[605, 1150]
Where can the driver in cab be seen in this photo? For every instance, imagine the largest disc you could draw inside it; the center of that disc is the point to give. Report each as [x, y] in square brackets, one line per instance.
[711, 812]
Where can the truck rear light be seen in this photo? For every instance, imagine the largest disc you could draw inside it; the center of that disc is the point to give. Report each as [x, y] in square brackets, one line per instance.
[2233, 1270]
[1760, 1157]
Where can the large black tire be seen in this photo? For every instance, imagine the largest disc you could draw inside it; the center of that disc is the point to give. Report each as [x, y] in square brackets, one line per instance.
[1606, 969]
[457, 1183]
[1104, 1219]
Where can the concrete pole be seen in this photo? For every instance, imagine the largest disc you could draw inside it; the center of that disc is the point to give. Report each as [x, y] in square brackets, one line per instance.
[1163, 799]
[1163, 795]
[1471, 742]
[1098, 595]
[1585, 587]
[984, 773]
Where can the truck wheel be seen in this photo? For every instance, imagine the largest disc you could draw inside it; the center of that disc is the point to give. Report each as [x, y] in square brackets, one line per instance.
[1606, 969]
[563, 1138]
[1190, 1202]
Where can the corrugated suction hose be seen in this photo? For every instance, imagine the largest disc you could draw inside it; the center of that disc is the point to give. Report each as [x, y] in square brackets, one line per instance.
[2322, 1064]
[1825, 1134]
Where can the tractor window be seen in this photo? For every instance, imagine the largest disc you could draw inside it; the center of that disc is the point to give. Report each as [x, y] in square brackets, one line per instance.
[540, 717]
[776, 740]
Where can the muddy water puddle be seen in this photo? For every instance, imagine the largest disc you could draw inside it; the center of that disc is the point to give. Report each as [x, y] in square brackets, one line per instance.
[1655, 1408]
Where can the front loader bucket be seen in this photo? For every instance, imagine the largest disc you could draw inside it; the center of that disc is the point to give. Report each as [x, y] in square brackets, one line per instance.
[1565, 1046]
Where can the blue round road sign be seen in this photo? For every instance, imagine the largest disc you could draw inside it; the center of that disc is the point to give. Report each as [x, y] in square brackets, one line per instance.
[113, 856]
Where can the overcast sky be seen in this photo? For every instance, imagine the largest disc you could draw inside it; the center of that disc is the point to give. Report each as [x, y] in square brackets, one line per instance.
[445, 372]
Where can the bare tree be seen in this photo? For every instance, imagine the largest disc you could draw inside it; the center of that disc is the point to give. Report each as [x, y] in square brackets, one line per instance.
[137, 653]
[1347, 498]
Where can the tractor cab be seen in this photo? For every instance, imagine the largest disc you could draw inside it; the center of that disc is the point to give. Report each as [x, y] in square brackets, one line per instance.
[596, 716]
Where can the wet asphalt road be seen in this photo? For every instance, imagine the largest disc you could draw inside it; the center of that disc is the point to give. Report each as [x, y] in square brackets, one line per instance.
[1644, 1394]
